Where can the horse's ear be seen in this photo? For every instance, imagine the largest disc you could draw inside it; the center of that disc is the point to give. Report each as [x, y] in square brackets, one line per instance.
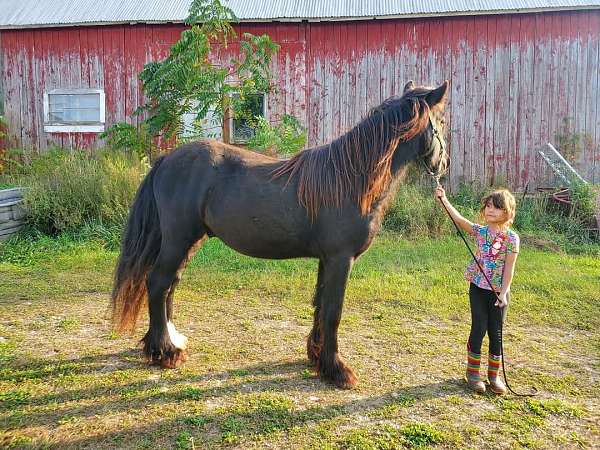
[408, 86]
[438, 95]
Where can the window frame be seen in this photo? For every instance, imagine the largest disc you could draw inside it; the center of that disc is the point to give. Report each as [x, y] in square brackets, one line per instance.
[232, 138]
[55, 127]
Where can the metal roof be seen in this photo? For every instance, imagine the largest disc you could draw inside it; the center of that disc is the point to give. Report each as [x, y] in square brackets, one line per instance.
[42, 13]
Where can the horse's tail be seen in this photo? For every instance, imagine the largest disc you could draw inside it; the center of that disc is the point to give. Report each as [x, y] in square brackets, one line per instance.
[139, 250]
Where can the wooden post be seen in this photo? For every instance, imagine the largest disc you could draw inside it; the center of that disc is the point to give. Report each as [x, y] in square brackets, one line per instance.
[226, 120]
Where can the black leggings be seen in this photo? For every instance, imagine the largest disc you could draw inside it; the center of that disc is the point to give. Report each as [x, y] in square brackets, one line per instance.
[485, 317]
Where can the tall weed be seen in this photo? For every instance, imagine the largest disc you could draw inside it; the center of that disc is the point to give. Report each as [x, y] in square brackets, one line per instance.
[67, 191]
[415, 213]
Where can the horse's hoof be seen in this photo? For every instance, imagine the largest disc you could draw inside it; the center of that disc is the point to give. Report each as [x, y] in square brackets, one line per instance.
[168, 359]
[346, 380]
[339, 374]
[174, 359]
[162, 351]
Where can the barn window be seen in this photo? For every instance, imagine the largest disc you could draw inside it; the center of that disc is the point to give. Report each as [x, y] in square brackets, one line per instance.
[209, 127]
[74, 110]
[241, 129]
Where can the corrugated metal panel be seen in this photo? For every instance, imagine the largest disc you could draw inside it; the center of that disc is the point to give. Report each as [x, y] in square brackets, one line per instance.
[339, 9]
[62, 12]
[28, 13]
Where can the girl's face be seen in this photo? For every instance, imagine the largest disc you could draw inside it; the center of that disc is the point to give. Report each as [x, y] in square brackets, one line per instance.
[493, 215]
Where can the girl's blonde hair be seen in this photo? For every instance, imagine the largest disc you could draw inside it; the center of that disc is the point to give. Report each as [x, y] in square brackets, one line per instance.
[501, 199]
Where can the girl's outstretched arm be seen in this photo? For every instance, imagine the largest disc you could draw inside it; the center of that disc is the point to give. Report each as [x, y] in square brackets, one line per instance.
[463, 223]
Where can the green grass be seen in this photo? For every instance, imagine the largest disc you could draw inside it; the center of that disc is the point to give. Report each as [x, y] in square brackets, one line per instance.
[67, 381]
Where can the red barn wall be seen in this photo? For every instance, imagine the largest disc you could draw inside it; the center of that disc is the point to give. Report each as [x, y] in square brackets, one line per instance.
[514, 78]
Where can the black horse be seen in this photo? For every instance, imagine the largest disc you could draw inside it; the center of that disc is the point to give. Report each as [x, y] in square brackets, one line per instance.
[326, 202]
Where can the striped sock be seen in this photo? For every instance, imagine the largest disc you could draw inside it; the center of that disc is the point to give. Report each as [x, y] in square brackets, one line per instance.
[494, 362]
[473, 363]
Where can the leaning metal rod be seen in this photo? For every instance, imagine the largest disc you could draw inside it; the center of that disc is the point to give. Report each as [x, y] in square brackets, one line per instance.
[460, 233]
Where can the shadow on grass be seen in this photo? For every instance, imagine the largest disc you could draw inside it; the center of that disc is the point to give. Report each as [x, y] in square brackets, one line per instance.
[32, 369]
[111, 373]
[114, 392]
[265, 416]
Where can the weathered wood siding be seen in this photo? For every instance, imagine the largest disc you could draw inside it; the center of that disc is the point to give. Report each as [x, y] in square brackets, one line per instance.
[514, 79]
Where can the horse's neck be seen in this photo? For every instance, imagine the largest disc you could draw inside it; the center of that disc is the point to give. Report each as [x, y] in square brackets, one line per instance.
[404, 155]
[381, 205]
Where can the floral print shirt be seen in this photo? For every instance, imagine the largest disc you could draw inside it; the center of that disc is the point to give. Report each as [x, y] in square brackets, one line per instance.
[492, 248]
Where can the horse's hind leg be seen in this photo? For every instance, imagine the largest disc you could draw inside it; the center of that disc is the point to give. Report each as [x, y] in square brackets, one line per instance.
[190, 255]
[162, 343]
[178, 339]
[330, 365]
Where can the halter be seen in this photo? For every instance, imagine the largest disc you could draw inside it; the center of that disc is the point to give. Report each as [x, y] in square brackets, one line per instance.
[437, 174]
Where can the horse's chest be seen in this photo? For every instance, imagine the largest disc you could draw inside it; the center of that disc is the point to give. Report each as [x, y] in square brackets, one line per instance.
[363, 237]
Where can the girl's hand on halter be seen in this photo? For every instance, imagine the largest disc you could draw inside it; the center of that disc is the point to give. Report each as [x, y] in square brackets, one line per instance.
[503, 300]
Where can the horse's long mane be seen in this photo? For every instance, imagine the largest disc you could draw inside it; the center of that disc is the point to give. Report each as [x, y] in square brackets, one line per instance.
[357, 165]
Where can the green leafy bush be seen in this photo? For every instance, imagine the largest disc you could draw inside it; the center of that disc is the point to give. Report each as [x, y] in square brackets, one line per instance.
[123, 136]
[539, 216]
[584, 197]
[189, 82]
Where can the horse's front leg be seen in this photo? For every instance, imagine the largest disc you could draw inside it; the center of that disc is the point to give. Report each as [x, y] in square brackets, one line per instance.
[314, 342]
[330, 365]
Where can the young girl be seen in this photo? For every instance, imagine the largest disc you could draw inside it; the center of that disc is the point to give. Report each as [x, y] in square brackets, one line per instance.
[497, 249]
